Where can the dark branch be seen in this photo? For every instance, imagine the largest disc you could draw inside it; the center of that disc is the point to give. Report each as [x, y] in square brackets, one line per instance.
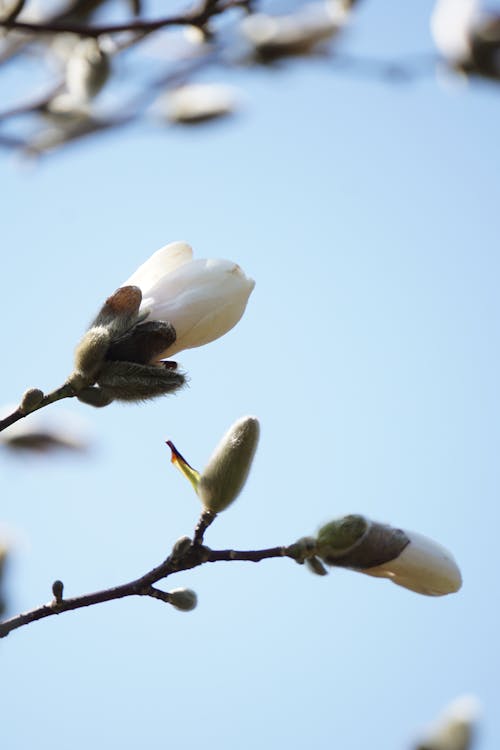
[198, 17]
[65, 391]
[195, 555]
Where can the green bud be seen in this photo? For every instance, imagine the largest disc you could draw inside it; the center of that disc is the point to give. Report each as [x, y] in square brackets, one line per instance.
[336, 537]
[183, 599]
[94, 396]
[180, 547]
[57, 590]
[91, 352]
[128, 381]
[30, 400]
[302, 549]
[227, 470]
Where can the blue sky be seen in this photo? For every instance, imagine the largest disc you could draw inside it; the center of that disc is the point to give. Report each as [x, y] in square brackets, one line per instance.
[366, 211]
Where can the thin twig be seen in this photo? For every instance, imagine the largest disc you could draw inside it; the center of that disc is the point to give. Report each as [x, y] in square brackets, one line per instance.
[65, 391]
[198, 17]
[206, 518]
[196, 555]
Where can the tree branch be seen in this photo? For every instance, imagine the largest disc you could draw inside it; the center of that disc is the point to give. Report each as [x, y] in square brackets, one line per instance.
[197, 17]
[194, 556]
[65, 391]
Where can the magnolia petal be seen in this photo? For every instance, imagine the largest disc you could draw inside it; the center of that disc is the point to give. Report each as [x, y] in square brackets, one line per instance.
[452, 24]
[423, 566]
[162, 262]
[203, 300]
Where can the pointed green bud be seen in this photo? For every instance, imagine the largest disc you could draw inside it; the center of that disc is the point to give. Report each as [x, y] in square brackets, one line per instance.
[91, 353]
[30, 400]
[183, 599]
[227, 470]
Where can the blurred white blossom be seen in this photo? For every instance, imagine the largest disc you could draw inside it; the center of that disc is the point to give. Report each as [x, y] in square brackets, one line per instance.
[197, 102]
[455, 728]
[297, 32]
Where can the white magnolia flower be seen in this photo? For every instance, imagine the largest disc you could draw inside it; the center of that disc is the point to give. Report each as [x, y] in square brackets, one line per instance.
[196, 102]
[87, 70]
[202, 299]
[297, 32]
[452, 22]
[404, 557]
[455, 727]
[423, 566]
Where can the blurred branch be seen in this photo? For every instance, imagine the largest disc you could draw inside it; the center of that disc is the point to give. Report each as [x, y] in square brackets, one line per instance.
[192, 557]
[197, 17]
[65, 391]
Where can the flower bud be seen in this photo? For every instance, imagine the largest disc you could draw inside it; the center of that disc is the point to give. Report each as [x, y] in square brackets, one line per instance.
[30, 400]
[183, 599]
[227, 470]
[198, 102]
[201, 299]
[406, 558]
[180, 547]
[455, 728]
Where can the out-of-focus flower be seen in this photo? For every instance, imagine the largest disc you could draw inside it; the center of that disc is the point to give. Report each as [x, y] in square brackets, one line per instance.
[198, 102]
[455, 729]
[202, 299]
[87, 70]
[404, 557]
[467, 38]
[43, 433]
[170, 303]
[227, 470]
[296, 33]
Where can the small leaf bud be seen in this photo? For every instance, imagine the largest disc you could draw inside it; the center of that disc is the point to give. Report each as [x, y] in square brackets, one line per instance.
[183, 599]
[57, 590]
[227, 470]
[30, 400]
[302, 549]
[180, 547]
[316, 566]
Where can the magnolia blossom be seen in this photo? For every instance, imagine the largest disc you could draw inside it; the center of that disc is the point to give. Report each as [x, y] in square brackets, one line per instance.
[404, 557]
[455, 728]
[197, 102]
[452, 22]
[423, 566]
[297, 32]
[202, 299]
